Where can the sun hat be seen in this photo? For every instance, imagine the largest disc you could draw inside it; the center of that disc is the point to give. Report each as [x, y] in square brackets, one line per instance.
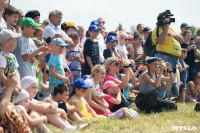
[6, 34]
[23, 95]
[109, 83]
[27, 21]
[28, 81]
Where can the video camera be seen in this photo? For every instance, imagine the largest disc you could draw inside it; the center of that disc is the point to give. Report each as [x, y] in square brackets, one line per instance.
[162, 16]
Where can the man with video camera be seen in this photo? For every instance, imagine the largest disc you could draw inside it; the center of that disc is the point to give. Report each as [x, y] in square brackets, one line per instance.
[167, 41]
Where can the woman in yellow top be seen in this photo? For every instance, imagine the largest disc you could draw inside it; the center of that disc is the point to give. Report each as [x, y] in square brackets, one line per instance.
[77, 99]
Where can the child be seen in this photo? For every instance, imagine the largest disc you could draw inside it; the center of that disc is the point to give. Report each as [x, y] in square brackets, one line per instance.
[77, 99]
[11, 17]
[183, 73]
[75, 57]
[56, 67]
[55, 116]
[8, 61]
[61, 96]
[34, 119]
[26, 51]
[38, 33]
[114, 97]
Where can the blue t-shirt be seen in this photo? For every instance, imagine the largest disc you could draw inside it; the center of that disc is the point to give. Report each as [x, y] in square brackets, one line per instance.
[25, 46]
[59, 68]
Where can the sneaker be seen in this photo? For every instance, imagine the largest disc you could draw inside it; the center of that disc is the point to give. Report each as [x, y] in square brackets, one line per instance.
[82, 126]
[70, 128]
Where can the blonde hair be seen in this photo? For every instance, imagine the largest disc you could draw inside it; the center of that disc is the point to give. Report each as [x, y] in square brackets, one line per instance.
[37, 29]
[109, 61]
[96, 69]
[123, 34]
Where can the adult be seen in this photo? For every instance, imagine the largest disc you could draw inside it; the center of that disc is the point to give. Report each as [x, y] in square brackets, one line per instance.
[140, 28]
[91, 49]
[123, 39]
[81, 32]
[34, 14]
[184, 27]
[191, 56]
[55, 18]
[146, 32]
[3, 4]
[147, 99]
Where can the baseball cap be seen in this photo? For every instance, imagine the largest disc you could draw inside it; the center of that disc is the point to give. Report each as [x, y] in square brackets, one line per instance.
[147, 29]
[7, 34]
[109, 83]
[81, 83]
[185, 25]
[59, 41]
[70, 23]
[152, 59]
[130, 37]
[111, 38]
[27, 21]
[93, 27]
[23, 95]
[28, 81]
[95, 22]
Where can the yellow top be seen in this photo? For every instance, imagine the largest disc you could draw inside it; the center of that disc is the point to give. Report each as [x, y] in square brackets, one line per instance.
[170, 45]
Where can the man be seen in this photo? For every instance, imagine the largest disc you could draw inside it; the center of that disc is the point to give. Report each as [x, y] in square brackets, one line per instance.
[146, 32]
[55, 18]
[140, 28]
[167, 41]
[184, 27]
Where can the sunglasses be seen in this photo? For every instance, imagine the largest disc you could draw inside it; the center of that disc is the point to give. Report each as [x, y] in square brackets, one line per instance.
[84, 89]
[117, 64]
[114, 42]
[126, 39]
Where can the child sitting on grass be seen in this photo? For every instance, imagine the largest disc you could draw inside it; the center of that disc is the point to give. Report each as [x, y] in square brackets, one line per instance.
[77, 99]
[114, 97]
[34, 119]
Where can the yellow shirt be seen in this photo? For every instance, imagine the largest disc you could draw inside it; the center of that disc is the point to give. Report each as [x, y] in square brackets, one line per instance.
[170, 45]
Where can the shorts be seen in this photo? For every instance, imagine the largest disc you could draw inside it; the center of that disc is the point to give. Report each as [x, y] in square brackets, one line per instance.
[118, 114]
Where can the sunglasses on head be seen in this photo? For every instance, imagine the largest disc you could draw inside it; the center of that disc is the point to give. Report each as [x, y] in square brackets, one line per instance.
[117, 64]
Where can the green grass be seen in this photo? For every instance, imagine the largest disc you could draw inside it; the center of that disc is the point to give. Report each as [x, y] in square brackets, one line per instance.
[153, 123]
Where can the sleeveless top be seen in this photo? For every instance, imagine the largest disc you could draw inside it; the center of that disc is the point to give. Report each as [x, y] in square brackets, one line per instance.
[145, 87]
[74, 65]
[141, 60]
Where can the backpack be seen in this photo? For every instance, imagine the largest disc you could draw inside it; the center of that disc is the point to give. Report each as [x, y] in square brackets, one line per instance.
[149, 46]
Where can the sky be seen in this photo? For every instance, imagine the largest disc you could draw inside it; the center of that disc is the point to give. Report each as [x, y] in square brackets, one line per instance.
[127, 12]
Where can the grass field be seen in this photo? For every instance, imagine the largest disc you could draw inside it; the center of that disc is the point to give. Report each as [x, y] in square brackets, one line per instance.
[167, 122]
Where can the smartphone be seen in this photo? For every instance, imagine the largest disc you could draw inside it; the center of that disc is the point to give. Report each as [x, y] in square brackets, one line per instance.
[120, 26]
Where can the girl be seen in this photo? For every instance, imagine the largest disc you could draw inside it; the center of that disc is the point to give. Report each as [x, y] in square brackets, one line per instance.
[34, 119]
[77, 99]
[147, 99]
[114, 97]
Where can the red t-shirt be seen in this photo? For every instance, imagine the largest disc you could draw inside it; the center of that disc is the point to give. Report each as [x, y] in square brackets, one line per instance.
[107, 98]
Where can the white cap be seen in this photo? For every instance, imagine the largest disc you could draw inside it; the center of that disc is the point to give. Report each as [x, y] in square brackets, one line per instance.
[6, 34]
[23, 95]
[28, 81]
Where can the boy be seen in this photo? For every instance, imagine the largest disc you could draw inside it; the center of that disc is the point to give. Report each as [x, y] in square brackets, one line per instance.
[8, 62]
[26, 51]
[11, 17]
[56, 67]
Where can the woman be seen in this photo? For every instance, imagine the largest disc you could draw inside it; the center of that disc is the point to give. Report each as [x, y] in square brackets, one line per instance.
[147, 99]
[137, 53]
[94, 95]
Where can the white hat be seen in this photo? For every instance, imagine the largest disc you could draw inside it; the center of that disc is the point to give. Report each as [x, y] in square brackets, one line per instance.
[23, 95]
[28, 81]
[7, 34]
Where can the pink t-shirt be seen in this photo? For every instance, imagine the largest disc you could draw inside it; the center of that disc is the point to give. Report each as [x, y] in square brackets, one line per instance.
[110, 77]
[107, 98]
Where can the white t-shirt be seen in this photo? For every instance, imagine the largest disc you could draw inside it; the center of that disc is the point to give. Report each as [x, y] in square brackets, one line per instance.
[83, 42]
[122, 51]
[3, 24]
[102, 47]
[21, 108]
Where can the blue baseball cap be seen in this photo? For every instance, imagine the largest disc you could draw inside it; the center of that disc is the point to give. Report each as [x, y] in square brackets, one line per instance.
[93, 27]
[152, 59]
[111, 38]
[59, 41]
[85, 77]
[80, 83]
[95, 22]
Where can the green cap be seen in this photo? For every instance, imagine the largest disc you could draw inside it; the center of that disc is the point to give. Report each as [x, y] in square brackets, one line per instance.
[27, 21]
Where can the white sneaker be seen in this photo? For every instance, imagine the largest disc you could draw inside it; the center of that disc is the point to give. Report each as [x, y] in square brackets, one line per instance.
[82, 126]
[70, 128]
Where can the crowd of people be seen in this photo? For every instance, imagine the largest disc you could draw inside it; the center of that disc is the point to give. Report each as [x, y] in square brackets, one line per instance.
[52, 72]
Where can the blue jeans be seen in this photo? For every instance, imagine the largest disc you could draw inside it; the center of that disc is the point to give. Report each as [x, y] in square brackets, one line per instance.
[173, 61]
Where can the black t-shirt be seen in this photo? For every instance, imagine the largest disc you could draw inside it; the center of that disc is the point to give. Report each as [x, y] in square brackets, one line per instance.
[106, 53]
[190, 59]
[91, 49]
